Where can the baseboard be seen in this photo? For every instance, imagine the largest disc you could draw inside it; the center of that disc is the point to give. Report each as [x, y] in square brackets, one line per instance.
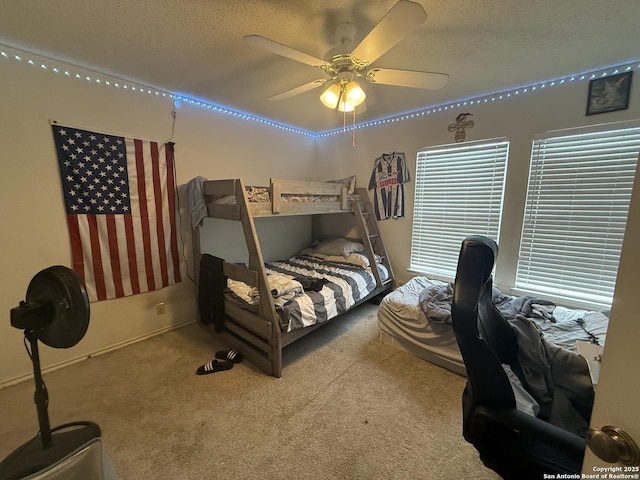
[102, 351]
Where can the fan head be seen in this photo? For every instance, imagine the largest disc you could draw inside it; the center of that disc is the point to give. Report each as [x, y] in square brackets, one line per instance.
[56, 308]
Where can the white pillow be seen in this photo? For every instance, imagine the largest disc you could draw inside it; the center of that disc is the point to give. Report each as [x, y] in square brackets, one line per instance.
[338, 246]
[356, 258]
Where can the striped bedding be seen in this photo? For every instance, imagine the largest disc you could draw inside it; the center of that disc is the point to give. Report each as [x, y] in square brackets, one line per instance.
[340, 286]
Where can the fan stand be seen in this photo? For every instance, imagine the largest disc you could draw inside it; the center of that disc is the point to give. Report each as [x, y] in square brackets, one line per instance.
[72, 450]
[41, 396]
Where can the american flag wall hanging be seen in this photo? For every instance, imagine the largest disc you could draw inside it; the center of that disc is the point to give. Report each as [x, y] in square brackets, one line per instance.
[119, 196]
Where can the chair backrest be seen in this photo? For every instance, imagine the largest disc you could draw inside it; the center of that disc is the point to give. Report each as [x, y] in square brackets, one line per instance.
[485, 338]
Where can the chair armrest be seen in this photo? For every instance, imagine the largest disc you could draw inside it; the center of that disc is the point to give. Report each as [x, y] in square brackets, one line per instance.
[554, 436]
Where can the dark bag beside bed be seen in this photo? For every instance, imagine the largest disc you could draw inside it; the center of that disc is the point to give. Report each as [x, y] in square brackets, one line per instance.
[211, 291]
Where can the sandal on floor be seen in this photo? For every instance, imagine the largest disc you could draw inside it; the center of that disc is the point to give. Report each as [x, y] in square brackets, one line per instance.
[214, 366]
[233, 355]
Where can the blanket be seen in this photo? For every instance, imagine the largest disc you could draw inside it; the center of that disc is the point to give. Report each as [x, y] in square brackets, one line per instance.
[558, 378]
[328, 289]
[196, 200]
[283, 289]
[435, 302]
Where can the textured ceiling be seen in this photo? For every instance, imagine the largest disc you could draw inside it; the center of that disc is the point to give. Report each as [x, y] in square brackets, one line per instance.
[196, 48]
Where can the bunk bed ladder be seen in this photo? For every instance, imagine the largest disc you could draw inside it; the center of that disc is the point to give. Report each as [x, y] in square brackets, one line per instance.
[370, 234]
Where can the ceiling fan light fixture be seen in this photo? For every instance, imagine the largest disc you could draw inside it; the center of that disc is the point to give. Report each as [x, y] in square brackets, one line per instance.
[331, 96]
[346, 106]
[354, 93]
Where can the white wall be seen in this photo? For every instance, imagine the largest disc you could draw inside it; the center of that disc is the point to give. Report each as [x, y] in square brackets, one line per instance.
[519, 118]
[33, 227]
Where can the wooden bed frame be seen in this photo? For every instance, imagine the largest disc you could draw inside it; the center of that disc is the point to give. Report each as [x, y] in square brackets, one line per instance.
[258, 336]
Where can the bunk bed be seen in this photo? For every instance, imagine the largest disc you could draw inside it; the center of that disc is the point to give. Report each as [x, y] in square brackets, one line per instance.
[259, 308]
[416, 317]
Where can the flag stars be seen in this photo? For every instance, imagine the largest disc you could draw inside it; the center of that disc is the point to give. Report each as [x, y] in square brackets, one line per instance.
[99, 178]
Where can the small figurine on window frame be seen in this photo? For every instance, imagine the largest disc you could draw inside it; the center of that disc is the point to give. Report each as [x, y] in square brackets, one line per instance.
[608, 94]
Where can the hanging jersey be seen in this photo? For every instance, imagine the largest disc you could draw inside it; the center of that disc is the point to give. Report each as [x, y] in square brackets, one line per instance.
[388, 177]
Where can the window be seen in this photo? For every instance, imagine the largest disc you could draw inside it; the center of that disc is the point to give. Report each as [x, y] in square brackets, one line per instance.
[459, 190]
[576, 212]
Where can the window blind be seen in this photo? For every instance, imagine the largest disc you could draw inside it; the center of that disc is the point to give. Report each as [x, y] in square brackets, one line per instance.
[576, 212]
[458, 192]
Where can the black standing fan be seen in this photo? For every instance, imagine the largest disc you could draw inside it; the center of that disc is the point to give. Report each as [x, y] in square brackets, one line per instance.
[56, 312]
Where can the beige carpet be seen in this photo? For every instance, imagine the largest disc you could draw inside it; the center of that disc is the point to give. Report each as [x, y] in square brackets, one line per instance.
[346, 407]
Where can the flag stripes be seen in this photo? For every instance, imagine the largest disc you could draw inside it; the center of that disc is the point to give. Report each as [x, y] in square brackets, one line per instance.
[135, 249]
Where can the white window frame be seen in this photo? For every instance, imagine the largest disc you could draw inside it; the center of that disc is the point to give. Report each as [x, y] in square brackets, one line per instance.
[574, 224]
[459, 191]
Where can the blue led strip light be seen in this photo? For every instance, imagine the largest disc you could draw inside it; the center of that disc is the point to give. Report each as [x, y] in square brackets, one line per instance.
[78, 73]
[81, 73]
[489, 98]
[241, 115]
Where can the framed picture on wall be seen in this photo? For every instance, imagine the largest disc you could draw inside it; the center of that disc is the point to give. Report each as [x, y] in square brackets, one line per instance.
[608, 94]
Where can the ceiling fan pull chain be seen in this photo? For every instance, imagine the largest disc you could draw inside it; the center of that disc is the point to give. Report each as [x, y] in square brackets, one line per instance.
[353, 130]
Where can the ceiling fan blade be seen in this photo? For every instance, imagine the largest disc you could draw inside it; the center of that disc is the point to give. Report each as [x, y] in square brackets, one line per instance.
[280, 49]
[407, 78]
[298, 90]
[402, 19]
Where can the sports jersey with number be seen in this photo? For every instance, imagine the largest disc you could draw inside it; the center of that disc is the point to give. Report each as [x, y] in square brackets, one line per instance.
[388, 177]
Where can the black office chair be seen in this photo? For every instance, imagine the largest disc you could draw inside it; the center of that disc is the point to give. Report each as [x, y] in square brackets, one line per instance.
[515, 444]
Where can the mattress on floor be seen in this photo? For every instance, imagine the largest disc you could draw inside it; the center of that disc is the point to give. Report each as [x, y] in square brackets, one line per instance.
[403, 324]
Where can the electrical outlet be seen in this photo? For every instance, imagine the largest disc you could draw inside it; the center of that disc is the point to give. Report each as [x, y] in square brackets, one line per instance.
[160, 308]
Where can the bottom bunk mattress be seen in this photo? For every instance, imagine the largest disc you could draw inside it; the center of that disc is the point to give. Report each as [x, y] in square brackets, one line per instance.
[308, 289]
[417, 318]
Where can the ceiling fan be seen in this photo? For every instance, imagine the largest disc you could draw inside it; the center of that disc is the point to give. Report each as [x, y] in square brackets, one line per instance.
[342, 71]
